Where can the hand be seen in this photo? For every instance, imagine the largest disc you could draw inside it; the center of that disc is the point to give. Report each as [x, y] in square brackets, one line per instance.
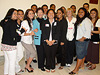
[49, 42]
[32, 33]
[6, 20]
[52, 41]
[82, 39]
[61, 43]
[35, 30]
[91, 34]
[92, 31]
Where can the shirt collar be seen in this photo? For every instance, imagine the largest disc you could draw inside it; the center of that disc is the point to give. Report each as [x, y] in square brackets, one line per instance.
[71, 20]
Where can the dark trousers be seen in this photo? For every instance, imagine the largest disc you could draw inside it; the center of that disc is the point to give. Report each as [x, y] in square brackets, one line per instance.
[41, 55]
[61, 55]
[75, 51]
[70, 46]
[50, 52]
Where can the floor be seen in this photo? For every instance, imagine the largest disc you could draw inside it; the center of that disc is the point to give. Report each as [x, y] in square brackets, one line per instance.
[65, 71]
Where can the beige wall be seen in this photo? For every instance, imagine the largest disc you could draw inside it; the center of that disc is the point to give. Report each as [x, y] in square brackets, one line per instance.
[25, 4]
[99, 7]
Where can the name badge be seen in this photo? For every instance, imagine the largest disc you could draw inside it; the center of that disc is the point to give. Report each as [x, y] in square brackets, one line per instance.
[70, 28]
[46, 25]
[80, 24]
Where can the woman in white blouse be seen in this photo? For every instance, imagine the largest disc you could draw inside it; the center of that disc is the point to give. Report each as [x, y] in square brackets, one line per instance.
[93, 48]
[82, 38]
[70, 43]
[27, 38]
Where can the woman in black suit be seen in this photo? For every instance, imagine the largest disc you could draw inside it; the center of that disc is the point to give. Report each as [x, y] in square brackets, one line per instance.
[50, 33]
[61, 52]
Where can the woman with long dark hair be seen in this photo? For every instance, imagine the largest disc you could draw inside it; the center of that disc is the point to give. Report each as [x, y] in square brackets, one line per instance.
[93, 48]
[82, 38]
[9, 41]
[61, 53]
[27, 38]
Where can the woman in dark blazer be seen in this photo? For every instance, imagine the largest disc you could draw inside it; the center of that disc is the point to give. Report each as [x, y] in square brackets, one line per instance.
[61, 53]
[50, 32]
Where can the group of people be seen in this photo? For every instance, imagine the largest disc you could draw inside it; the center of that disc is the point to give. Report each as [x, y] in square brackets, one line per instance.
[61, 35]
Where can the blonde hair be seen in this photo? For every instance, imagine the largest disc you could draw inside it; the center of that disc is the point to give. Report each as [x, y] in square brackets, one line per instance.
[70, 9]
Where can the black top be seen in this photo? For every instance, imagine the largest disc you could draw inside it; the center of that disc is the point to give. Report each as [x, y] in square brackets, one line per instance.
[9, 32]
[95, 37]
[46, 28]
[18, 37]
[22, 30]
[40, 20]
[63, 30]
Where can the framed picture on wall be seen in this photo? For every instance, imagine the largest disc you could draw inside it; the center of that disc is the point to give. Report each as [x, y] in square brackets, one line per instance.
[94, 1]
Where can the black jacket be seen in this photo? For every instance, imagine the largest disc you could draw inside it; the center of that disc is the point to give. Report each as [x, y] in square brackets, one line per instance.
[9, 32]
[46, 28]
[63, 30]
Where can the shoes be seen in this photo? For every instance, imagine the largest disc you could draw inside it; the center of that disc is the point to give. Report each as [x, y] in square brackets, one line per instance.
[28, 70]
[88, 65]
[92, 68]
[68, 65]
[85, 61]
[42, 69]
[72, 73]
[35, 61]
[60, 68]
[53, 70]
[21, 71]
[47, 70]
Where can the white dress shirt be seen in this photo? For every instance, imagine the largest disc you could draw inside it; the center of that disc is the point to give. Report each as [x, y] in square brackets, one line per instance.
[50, 37]
[70, 30]
[26, 39]
[84, 29]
